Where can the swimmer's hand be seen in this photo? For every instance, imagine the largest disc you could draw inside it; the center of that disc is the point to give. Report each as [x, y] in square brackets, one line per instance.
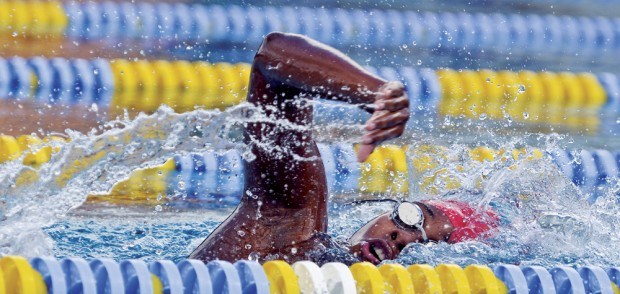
[391, 112]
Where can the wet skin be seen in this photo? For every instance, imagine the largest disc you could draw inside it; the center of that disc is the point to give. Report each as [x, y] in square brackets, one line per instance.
[381, 238]
[284, 208]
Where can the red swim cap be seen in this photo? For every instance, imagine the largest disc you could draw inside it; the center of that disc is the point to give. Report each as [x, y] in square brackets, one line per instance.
[469, 222]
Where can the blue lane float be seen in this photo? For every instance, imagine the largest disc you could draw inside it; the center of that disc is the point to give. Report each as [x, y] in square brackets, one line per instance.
[52, 273]
[212, 176]
[45, 78]
[609, 82]
[224, 277]
[105, 275]
[62, 86]
[513, 278]
[567, 280]
[539, 280]
[104, 81]
[19, 78]
[614, 275]
[195, 276]
[455, 31]
[86, 82]
[253, 277]
[208, 176]
[108, 276]
[57, 80]
[595, 280]
[78, 276]
[136, 276]
[129, 24]
[169, 275]
[5, 78]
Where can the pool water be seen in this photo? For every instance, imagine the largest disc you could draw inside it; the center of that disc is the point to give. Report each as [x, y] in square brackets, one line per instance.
[48, 215]
[143, 234]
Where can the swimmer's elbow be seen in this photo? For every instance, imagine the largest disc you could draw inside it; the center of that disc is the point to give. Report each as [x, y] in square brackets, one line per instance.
[274, 37]
[276, 43]
[274, 47]
[281, 53]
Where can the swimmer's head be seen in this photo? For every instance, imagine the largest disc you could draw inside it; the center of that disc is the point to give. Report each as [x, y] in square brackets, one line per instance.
[386, 235]
[451, 221]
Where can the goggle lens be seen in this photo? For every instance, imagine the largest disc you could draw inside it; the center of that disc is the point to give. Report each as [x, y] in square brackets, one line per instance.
[409, 214]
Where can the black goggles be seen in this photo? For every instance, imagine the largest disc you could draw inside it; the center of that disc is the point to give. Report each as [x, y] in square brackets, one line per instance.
[409, 216]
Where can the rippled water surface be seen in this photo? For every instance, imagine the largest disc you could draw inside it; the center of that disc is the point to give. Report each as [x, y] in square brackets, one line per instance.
[545, 218]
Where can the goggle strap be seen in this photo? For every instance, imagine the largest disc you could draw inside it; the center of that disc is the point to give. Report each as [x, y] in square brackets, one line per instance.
[424, 237]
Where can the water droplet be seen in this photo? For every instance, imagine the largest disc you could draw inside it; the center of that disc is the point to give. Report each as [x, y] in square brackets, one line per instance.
[248, 246]
[241, 233]
[254, 256]
[483, 116]
[250, 194]
[419, 62]
[158, 208]
[521, 89]
[526, 115]
[294, 250]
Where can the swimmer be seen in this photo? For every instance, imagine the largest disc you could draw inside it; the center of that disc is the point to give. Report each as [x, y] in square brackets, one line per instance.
[283, 212]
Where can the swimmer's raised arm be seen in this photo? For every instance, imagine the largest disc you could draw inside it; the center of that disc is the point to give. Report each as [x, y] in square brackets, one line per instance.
[284, 206]
[315, 68]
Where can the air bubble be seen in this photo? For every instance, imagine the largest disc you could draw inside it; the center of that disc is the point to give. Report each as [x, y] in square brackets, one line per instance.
[254, 256]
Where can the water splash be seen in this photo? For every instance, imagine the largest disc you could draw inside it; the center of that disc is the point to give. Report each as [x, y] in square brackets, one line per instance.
[545, 218]
[531, 195]
[92, 163]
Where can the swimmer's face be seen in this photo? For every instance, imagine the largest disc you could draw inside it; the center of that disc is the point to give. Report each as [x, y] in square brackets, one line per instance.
[381, 238]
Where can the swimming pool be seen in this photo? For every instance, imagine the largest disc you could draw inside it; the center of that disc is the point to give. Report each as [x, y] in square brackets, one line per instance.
[170, 228]
[150, 187]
